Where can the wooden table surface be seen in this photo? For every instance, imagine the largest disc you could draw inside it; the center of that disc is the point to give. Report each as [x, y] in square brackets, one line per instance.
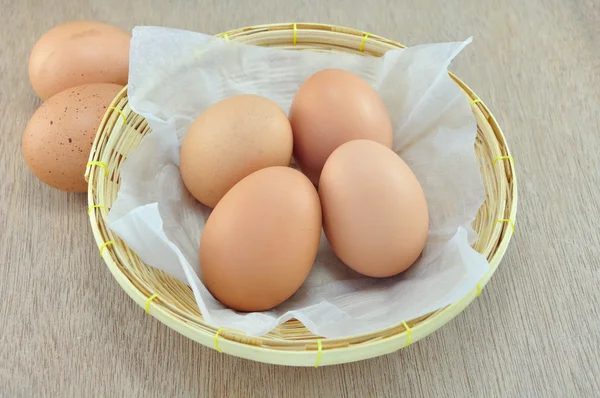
[67, 329]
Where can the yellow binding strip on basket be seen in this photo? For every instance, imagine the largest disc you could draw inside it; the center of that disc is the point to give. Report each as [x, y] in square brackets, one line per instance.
[226, 36]
[408, 334]
[478, 289]
[295, 34]
[103, 246]
[507, 220]
[120, 112]
[319, 353]
[147, 306]
[364, 40]
[97, 163]
[497, 158]
[217, 339]
[95, 207]
[475, 101]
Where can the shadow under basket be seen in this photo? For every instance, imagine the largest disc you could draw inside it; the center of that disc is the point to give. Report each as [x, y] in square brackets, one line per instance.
[291, 343]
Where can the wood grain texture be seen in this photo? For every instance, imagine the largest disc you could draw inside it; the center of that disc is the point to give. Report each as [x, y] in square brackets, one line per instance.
[66, 328]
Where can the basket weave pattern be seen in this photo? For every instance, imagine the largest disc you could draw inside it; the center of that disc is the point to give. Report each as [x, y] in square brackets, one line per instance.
[291, 343]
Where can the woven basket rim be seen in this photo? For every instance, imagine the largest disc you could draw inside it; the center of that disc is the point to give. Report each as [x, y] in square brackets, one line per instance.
[311, 351]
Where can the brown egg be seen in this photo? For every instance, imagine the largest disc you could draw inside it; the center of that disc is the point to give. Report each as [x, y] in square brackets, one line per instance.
[333, 107]
[230, 140]
[261, 240]
[58, 138]
[76, 53]
[374, 210]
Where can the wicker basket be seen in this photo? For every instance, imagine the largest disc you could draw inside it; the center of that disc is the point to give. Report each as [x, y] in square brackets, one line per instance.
[291, 343]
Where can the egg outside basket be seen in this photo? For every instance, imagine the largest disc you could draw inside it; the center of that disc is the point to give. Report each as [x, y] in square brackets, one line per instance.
[291, 343]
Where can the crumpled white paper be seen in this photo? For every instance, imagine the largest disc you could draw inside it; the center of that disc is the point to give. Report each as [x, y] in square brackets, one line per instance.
[175, 75]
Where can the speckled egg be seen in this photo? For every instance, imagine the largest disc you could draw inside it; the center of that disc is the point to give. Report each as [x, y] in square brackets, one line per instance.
[58, 138]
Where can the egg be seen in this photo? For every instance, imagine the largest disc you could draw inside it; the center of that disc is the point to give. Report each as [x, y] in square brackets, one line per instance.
[76, 53]
[333, 107]
[57, 140]
[230, 140]
[375, 213]
[260, 241]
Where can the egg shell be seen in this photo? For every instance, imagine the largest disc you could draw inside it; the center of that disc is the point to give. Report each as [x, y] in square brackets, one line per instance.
[58, 138]
[260, 242]
[77, 53]
[375, 213]
[230, 140]
[333, 107]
